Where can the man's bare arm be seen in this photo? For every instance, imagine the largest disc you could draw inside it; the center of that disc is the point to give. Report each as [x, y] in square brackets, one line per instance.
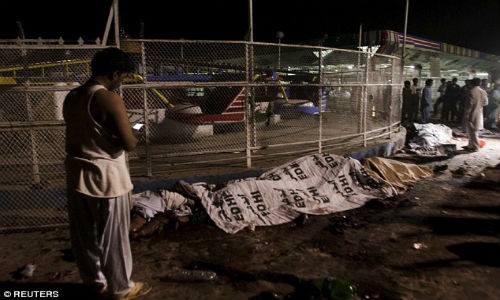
[112, 105]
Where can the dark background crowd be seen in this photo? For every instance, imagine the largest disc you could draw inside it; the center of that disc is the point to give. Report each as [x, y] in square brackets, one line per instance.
[450, 106]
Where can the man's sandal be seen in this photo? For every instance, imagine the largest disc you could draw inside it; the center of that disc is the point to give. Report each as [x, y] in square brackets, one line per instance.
[139, 289]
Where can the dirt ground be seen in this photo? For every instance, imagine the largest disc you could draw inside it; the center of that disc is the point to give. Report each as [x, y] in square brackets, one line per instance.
[440, 240]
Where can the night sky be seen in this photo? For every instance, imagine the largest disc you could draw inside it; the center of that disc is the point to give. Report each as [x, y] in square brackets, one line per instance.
[472, 24]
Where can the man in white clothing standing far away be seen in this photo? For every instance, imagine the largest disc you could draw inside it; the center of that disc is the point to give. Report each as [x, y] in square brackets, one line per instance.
[476, 100]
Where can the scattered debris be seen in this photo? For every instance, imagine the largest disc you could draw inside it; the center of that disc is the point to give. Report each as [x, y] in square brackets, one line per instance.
[419, 246]
[62, 274]
[184, 275]
[26, 271]
[461, 171]
[440, 168]
[301, 220]
[339, 223]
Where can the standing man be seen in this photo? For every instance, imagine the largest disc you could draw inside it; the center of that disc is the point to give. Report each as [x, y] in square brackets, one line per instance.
[415, 100]
[492, 108]
[440, 99]
[463, 96]
[426, 108]
[476, 99]
[406, 95]
[98, 134]
[453, 93]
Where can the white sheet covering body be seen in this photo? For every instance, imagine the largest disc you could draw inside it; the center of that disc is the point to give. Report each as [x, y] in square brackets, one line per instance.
[314, 184]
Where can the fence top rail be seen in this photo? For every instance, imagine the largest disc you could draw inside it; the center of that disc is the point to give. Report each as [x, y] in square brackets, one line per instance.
[40, 41]
[60, 44]
[48, 47]
[314, 47]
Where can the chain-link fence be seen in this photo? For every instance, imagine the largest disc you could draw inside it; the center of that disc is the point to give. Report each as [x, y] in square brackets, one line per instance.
[208, 108]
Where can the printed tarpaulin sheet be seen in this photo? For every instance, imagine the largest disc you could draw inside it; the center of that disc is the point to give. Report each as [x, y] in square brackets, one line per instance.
[314, 184]
[395, 173]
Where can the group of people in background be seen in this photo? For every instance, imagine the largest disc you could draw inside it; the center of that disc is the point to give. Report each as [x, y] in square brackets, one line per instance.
[473, 106]
[417, 101]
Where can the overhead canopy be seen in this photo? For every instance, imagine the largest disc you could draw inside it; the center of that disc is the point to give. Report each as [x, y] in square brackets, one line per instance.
[432, 58]
[422, 53]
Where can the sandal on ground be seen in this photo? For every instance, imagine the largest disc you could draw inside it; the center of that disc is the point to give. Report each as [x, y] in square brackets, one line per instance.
[139, 289]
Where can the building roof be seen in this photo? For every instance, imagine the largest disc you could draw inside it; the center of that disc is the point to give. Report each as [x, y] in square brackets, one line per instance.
[421, 51]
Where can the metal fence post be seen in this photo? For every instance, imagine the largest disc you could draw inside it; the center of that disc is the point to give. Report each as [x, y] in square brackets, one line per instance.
[29, 111]
[362, 95]
[249, 92]
[392, 104]
[365, 99]
[320, 100]
[33, 141]
[149, 167]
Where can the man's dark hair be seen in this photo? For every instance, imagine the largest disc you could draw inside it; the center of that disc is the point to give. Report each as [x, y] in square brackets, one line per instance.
[475, 81]
[111, 60]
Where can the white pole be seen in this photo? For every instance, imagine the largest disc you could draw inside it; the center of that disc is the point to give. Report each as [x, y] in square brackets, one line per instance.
[250, 96]
[279, 35]
[404, 39]
[117, 23]
[279, 54]
[250, 20]
[359, 36]
[108, 27]
[359, 47]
